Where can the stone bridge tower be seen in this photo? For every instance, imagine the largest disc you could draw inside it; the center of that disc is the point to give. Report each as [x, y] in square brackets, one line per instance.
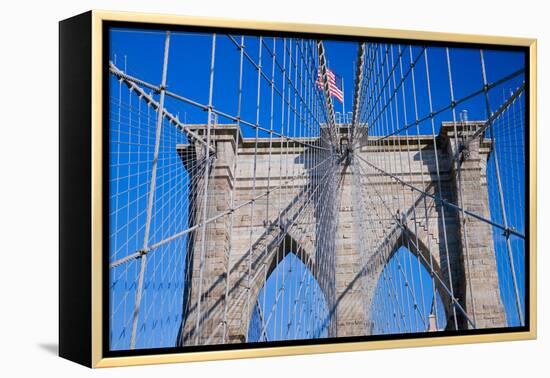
[242, 248]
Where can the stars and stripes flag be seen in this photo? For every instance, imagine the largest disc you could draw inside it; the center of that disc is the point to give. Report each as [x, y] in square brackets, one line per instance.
[334, 84]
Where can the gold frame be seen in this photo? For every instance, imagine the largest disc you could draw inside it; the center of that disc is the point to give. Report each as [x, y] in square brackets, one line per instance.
[97, 207]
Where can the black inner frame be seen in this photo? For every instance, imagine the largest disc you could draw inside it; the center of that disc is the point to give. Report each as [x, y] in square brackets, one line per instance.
[107, 25]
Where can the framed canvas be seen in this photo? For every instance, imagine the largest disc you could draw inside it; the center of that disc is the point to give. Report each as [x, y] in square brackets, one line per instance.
[235, 189]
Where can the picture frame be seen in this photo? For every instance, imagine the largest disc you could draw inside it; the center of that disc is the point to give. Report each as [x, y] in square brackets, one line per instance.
[100, 323]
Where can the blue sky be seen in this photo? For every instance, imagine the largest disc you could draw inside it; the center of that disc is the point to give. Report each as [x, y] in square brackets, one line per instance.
[140, 54]
[188, 75]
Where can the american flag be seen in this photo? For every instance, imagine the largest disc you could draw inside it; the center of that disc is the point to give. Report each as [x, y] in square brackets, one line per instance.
[334, 84]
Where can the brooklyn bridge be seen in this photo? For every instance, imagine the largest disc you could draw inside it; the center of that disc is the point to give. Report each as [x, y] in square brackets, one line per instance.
[247, 205]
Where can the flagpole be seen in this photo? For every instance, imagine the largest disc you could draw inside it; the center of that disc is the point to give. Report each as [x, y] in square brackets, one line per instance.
[343, 102]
